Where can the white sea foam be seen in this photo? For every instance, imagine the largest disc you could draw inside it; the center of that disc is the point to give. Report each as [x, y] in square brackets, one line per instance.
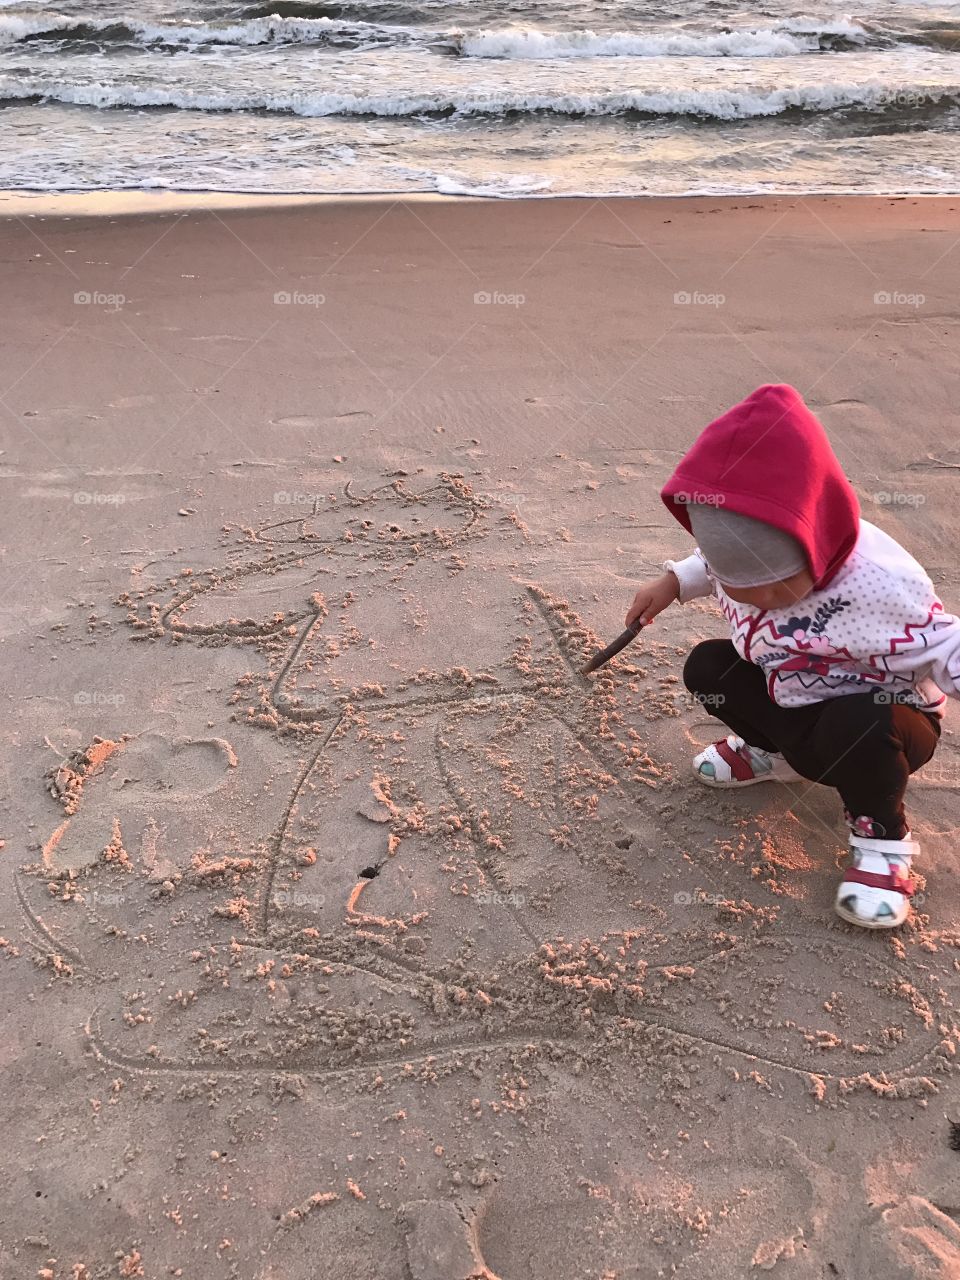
[255, 31]
[502, 188]
[719, 104]
[796, 37]
[526, 42]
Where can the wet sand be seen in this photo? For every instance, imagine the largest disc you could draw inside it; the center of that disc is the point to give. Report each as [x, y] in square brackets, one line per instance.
[345, 927]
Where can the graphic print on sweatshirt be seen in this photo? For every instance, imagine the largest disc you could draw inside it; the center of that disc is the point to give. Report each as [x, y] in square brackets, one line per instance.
[809, 636]
[878, 625]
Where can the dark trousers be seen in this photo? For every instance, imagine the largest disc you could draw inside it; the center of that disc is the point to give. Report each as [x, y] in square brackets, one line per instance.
[861, 744]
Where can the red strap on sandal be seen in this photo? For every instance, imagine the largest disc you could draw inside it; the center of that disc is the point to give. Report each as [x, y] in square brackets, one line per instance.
[894, 880]
[740, 769]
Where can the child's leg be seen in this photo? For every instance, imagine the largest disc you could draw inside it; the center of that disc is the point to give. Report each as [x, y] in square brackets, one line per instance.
[860, 744]
[732, 690]
[867, 749]
[735, 692]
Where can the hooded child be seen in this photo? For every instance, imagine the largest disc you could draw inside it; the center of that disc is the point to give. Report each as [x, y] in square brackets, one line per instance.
[840, 655]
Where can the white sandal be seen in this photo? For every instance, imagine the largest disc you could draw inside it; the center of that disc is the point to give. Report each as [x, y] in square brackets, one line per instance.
[732, 762]
[875, 890]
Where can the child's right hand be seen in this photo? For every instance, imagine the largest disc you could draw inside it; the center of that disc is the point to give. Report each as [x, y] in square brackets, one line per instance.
[653, 597]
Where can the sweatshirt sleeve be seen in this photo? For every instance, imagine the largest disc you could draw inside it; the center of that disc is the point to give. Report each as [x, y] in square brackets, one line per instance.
[916, 637]
[929, 648]
[692, 575]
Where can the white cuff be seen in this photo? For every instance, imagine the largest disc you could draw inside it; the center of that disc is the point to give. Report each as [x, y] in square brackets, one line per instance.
[692, 575]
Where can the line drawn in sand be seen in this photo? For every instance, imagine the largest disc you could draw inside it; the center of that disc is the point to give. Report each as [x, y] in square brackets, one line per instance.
[453, 748]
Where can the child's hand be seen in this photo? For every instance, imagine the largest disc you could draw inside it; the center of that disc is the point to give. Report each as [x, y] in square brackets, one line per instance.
[653, 597]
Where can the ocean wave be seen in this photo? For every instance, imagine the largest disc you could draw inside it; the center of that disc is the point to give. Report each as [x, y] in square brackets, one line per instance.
[938, 35]
[784, 40]
[774, 42]
[254, 31]
[369, 10]
[717, 104]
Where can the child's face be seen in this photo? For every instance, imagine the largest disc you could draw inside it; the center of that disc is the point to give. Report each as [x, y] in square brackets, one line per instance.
[775, 595]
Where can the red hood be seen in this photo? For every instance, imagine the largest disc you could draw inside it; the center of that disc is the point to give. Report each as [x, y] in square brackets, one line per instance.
[770, 458]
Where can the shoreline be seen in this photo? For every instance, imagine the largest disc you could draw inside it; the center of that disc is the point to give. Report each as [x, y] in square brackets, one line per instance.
[140, 202]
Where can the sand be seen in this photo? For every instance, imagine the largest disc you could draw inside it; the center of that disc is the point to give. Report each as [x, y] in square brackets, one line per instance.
[346, 929]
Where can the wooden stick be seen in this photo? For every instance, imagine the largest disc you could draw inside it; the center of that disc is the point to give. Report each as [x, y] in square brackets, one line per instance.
[611, 651]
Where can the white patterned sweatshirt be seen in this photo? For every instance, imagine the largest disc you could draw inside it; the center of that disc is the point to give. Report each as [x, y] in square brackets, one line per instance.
[877, 625]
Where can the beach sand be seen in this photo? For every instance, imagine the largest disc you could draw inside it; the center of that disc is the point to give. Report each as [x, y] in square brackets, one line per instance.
[346, 929]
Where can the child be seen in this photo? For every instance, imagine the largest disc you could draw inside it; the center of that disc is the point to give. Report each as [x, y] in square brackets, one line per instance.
[840, 652]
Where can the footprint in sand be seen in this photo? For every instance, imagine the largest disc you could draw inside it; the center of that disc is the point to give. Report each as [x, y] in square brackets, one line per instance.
[145, 790]
[139, 816]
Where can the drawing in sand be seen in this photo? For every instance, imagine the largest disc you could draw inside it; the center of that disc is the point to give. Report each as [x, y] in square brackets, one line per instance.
[412, 915]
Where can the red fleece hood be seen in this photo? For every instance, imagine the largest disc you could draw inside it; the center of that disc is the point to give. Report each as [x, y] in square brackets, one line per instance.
[768, 457]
